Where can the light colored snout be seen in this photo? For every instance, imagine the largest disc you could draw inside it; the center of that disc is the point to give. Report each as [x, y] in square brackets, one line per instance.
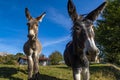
[31, 34]
[91, 47]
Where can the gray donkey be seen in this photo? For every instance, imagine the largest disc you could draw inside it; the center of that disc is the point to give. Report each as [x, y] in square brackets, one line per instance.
[32, 47]
[82, 41]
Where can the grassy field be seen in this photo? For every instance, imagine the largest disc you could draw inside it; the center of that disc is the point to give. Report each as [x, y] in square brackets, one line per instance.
[59, 72]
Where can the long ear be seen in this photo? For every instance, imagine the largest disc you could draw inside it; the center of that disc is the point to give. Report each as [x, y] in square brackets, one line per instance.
[94, 14]
[72, 10]
[41, 17]
[27, 14]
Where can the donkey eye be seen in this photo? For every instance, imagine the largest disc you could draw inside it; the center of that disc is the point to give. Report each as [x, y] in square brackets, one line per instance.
[36, 24]
[28, 24]
[77, 28]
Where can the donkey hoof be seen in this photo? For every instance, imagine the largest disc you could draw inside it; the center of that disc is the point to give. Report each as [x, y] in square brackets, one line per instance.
[30, 79]
[36, 76]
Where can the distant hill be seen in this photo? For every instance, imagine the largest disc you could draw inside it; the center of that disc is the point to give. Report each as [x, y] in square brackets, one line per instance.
[3, 53]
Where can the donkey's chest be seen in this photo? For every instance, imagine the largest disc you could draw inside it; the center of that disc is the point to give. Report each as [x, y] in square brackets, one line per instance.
[77, 58]
[79, 61]
[32, 45]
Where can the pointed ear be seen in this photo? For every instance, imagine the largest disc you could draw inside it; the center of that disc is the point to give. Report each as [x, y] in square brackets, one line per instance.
[72, 10]
[41, 17]
[27, 14]
[94, 14]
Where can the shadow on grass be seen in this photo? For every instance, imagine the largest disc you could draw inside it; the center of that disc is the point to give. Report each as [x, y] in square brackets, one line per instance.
[41, 76]
[7, 72]
[23, 71]
[106, 70]
[63, 67]
[46, 77]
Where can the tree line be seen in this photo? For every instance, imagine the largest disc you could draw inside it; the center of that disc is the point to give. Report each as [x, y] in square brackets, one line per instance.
[108, 32]
[10, 58]
[55, 57]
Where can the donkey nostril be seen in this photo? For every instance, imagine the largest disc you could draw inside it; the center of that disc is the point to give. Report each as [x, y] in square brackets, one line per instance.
[98, 51]
[29, 36]
[87, 53]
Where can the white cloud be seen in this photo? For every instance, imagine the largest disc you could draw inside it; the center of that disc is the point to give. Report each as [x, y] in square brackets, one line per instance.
[57, 41]
[10, 46]
[59, 18]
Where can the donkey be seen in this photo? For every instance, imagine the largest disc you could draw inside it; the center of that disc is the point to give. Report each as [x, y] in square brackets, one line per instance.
[32, 47]
[82, 42]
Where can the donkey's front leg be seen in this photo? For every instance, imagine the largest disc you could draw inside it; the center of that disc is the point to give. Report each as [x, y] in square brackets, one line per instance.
[85, 73]
[36, 62]
[77, 74]
[36, 66]
[30, 67]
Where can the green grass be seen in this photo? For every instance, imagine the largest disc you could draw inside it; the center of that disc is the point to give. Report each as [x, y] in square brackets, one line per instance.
[59, 72]
[104, 72]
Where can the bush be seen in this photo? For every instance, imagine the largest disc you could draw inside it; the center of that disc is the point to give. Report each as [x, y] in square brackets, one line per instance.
[55, 58]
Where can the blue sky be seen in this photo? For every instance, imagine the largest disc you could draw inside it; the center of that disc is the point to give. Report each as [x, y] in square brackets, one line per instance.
[54, 30]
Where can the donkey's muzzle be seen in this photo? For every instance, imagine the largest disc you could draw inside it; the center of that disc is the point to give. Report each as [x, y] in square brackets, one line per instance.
[30, 36]
[93, 51]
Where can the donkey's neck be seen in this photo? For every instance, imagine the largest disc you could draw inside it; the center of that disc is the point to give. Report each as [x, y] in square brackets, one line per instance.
[33, 43]
[33, 40]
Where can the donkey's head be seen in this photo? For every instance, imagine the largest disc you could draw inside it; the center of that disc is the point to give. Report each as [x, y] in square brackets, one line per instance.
[83, 31]
[33, 24]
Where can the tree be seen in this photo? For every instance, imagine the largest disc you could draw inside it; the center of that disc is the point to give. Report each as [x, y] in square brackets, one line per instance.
[9, 59]
[55, 57]
[1, 60]
[42, 56]
[19, 55]
[108, 31]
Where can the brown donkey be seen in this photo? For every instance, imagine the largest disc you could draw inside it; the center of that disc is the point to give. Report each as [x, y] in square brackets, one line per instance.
[82, 41]
[32, 47]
